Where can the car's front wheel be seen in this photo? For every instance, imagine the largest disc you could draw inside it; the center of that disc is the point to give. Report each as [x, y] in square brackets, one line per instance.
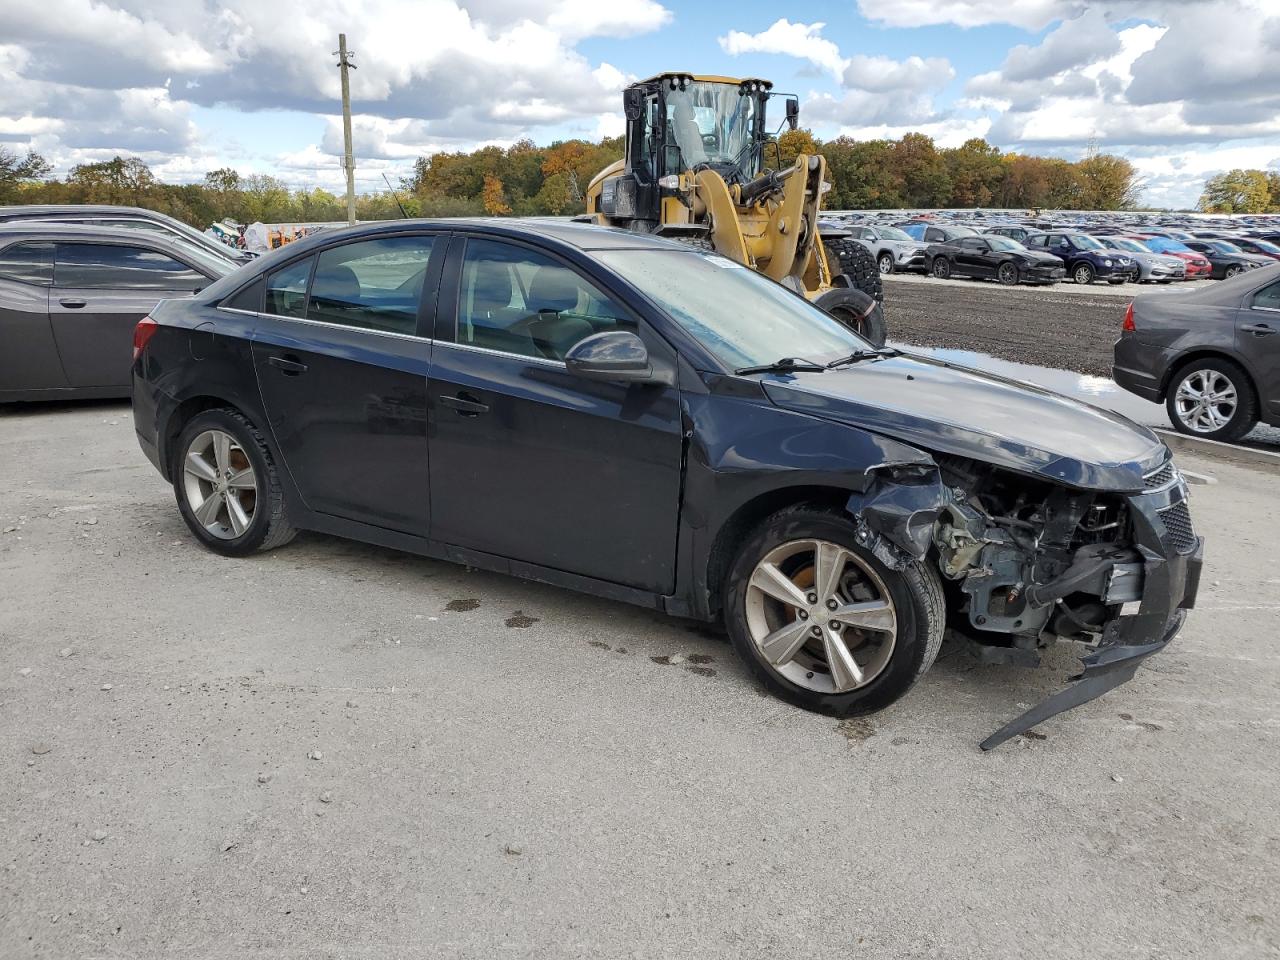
[1083, 273]
[941, 268]
[885, 262]
[825, 625]
[1213, 399]
[1008, 274]
[1234, 270]
[227, 487]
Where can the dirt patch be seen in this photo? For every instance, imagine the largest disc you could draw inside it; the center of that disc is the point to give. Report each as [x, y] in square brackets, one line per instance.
[1051, 327]
[700, 658]
[665, 661]
[520, 621]
[702, 671]
[600, 644]
[460, 606]
[856, 729]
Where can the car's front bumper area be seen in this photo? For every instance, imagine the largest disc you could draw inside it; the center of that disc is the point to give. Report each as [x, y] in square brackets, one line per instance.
[1044, 273]
[1172, 557]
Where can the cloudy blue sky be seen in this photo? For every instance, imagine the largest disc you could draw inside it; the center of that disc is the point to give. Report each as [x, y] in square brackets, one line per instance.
[1185, 88]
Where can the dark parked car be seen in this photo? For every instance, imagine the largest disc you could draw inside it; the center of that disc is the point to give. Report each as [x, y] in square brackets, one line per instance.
[124, 218]
[1212, 356]
[70, 298]
[993, 257]
[1012, 232]
[623, 415]
[1226, 259]
[1259, 248]
[1086, 258]
[936, 233]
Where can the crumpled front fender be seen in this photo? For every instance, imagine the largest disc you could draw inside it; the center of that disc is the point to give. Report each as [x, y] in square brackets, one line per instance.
[901, 504]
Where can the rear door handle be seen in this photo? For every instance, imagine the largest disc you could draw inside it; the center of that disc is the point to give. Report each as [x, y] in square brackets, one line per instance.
[1261, 329]
[73, 303]
[289, 366]
[465, 404]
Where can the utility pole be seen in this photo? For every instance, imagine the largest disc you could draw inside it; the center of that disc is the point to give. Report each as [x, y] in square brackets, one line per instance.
[348, 158]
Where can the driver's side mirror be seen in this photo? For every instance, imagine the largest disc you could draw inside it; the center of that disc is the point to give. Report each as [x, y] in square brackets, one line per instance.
[616, 355]
[633, 103]
[793, 112]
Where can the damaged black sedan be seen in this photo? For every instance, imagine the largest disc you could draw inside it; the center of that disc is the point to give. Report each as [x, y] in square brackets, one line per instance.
[629, 417]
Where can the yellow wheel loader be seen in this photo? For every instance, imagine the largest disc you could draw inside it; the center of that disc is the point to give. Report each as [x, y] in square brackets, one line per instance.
[696, 170]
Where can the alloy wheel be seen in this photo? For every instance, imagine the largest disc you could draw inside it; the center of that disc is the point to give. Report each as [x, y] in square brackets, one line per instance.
[1205, 400]
[886, 264]
[1083, 274]
[1008, 274]
[820, 616]
[220, 484]
[1234, 269]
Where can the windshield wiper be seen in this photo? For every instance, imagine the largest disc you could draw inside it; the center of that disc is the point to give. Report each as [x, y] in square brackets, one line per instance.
[858, 355]
[785, 365]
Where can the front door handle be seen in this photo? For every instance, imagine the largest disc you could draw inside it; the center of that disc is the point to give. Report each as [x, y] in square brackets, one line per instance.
[466, 405]
[73, 303]
[287, 365]
[1261, 329]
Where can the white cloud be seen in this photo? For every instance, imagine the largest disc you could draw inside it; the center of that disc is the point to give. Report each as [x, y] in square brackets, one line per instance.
[1028, 14]
[884, 73]
[802, 40]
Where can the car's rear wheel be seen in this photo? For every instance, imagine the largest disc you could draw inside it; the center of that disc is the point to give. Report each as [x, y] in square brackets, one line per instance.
[1212, 399]
[1008, 274]
[885, 263]
[824, 624]
[227, 487]
[941, 268]
[1083, 273]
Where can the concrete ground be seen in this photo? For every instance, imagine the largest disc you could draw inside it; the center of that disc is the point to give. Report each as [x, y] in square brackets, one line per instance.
[341, 751]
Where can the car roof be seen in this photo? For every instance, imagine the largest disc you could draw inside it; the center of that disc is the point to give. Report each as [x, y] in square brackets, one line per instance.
[78, 231]
[29, 210]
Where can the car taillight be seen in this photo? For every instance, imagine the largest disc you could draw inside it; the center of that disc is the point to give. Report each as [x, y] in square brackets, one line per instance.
[142, 333]
[1128, 325]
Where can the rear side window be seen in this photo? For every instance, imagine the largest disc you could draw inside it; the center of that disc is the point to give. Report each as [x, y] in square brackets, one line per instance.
[27, 263]
[287, 289]
[119, 267]
[934, 234]
[373, 284]
[1268, 297]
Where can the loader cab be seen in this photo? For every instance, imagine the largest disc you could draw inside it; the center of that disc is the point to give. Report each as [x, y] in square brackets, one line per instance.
[678, 122]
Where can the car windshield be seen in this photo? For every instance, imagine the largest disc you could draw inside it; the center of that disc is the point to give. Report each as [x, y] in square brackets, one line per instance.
[1164, 245]
[1003, 243]
[893, 233]
[1086, 242]
[1124, 243]
[742, 317]
[959, 231]
[1266, 246]
[1224, 246]
[711, 123]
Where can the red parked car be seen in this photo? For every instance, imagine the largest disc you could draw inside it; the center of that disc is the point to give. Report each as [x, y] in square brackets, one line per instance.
[1198, 265]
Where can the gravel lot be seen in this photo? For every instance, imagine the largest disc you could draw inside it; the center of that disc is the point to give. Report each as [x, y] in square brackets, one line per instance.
[507, 769]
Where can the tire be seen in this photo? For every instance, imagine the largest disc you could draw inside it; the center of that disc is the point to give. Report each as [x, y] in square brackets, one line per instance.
[885, 263]
[941, 268]
[1082, 273]
[1237, 418]
[267, 524]
[1008, 274]
[1232, 271]
[850, 307]
[1118, 281]
[846, 255]
[889, 664]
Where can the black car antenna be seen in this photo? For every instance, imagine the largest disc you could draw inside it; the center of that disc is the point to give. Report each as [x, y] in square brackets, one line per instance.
[403, 213]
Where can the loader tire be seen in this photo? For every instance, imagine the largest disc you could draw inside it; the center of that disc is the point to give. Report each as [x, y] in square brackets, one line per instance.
[846, 255]
[857, 311]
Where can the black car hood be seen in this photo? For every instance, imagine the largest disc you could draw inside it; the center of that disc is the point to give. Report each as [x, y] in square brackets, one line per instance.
[948, 409]
[1042, 258]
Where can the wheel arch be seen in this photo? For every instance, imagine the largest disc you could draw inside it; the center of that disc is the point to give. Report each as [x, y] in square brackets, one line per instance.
[1197, 355]
[182, 414]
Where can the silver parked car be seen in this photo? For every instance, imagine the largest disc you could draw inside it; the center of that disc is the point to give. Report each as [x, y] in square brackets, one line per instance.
[893, 249]
[1152, 266]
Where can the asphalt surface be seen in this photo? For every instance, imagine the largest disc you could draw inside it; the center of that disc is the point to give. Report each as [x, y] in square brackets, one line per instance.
[503, 769]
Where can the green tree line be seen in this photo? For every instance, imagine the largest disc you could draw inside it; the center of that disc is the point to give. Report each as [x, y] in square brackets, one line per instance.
[1242, 191]
[527, 180]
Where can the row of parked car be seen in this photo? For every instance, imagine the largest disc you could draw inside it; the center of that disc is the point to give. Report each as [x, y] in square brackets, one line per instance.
[1116, 252]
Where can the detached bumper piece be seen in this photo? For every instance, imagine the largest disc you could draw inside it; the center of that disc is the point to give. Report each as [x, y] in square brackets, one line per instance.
[1172, 559]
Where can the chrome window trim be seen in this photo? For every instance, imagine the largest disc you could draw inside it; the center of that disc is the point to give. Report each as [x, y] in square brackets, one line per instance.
[327, 324]
[541, 361]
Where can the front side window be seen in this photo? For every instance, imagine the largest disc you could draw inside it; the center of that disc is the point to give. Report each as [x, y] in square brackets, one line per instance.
[112, 266]
[287, 289]
[28, 262]
[1037, 240]
[373, 284]
[705, 294]
[516, 300]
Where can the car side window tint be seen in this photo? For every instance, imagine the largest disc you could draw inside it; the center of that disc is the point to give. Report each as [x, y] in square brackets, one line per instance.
[114, 266]
[934, 234]
[1268, 296]
[287, 289]
[372, 284]
[27, 262]
[516, 300]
